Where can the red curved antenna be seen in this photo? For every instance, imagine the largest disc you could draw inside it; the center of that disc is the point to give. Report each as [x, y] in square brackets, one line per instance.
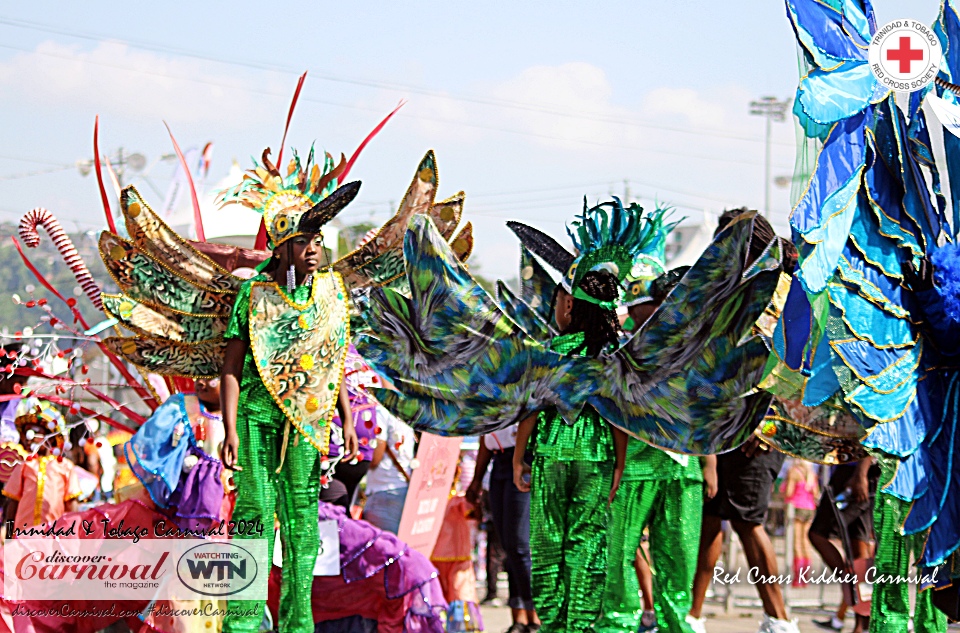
[293, 104]
[376, 130]
[96, 164]
[197, 218]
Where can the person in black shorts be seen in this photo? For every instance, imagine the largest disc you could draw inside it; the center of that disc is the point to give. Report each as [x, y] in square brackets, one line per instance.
[854, 487]
[744, 481]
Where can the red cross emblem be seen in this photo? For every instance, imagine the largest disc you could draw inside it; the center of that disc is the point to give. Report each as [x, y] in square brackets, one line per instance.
[905, 55]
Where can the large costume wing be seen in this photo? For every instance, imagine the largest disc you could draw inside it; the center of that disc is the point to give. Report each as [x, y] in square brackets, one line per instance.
[460, 366]
[379, 260]
[687, 381]
[173, 297]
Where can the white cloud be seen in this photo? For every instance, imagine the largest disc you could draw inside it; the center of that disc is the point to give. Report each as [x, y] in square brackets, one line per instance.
[685, 102]
[115, 79]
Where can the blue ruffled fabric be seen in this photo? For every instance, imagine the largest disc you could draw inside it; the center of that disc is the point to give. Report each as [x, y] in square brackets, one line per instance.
[153, 458]
[865, 212]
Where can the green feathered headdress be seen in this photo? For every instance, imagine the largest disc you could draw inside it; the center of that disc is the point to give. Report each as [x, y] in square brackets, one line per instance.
[299, 202]
[651, 261]
[616, 239]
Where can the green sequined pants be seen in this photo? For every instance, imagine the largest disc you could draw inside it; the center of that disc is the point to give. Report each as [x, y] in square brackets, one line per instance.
[568, 525]
[890, 610]
[673, 510]
[293, 496]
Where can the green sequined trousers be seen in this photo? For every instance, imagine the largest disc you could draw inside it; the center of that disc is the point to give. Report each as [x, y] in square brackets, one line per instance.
[262, 493]
[890, 610]
[672, 508]
[570, 483]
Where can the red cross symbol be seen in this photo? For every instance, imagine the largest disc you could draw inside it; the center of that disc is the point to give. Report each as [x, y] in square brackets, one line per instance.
[905, 55]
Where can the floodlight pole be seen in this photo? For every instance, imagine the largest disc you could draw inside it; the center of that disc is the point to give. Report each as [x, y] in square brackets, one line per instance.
[772, 110]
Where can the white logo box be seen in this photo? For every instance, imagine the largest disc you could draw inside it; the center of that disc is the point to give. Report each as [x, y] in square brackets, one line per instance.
[151, 569]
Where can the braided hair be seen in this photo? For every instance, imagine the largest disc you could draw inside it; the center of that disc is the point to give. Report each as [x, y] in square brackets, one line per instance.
[599, 325]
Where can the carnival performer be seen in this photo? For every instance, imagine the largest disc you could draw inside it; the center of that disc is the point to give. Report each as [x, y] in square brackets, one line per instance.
[575, 472]
[44, 486]
[173, 465]
[357, 377]
[489, 366]
[283, 367]
[663, 491]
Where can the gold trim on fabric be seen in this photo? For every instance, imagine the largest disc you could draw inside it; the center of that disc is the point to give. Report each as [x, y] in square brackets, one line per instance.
[176, 236]
[338, 280]
[162, 264]
[41, 484]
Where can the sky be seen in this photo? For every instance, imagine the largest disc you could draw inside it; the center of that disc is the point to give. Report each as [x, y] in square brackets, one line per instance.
[530, 106]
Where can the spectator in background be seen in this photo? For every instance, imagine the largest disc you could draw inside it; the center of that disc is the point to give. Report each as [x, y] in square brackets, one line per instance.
[510, 508]
[854, 489]
[44, 486]
[389, 475]
[801, 490]
[357, 377]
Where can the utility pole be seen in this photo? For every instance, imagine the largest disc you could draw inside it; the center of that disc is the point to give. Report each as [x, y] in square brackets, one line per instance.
[772, 110]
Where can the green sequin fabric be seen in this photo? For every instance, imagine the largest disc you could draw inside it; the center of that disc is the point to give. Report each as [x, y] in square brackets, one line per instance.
[645, 462]
[292, 494]
[568, 518]
[672, 508]
[890, 609]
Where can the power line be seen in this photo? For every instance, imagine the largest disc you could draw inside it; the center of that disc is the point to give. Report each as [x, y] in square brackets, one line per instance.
[39, 172]
[398, 87]
[634, 148]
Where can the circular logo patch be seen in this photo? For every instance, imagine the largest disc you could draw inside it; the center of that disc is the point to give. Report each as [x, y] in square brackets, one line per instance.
[905, 55]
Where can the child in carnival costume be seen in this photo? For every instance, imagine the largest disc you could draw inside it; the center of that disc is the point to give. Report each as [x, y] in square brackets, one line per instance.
[659, 489]
[577, 468]
[283, 365]
[463, 364]
[44, 486]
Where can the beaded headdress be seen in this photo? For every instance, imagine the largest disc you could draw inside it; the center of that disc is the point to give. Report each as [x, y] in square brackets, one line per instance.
[301, 201]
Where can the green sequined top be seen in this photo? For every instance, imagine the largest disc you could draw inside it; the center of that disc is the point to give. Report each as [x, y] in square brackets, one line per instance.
[588, 440]
[646, 463]
[254, 397]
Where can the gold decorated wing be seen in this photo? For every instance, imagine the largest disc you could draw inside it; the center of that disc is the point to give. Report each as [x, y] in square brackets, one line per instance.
[379, 261]
[174, 298]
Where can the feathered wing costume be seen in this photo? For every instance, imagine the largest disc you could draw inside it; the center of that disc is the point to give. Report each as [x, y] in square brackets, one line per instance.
[686, 383]
[851, 336]
[184, 306]
[177, 300]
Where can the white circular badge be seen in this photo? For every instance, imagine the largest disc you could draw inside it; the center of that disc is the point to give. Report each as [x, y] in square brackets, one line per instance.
[905, 55]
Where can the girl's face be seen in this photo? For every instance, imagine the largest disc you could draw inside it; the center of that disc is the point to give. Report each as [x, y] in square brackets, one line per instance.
[563, 308]
[306, 250]
[208, 391]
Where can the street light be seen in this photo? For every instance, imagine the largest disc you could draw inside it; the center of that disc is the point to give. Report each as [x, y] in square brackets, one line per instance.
[135, 162]
[773, 110]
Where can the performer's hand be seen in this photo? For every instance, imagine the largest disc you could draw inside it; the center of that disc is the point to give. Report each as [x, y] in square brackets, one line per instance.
[473, 493]
[918, 280]
[351, 445]
[860, 487]
[615, 485]
[229, 451]
[710, 483]
[519, 470]
[753, 446]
